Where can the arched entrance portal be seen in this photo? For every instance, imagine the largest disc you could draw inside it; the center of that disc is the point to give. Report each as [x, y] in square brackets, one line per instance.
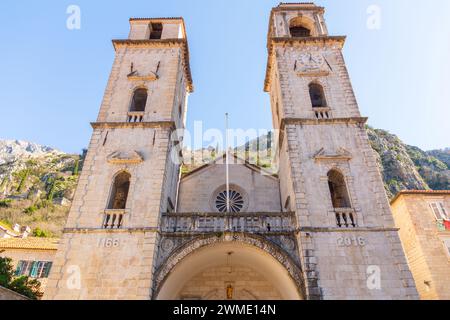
[229, 270]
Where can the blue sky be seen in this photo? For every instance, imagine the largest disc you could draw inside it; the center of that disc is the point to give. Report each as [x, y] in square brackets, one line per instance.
[52, 79]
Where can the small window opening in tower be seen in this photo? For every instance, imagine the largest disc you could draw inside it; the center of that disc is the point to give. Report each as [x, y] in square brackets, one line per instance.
[119, 192]
[338, 190]
[156, 31]
[299, 32]
[139, 101]
[317, 96]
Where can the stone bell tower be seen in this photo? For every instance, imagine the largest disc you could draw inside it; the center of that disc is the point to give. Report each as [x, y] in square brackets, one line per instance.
[129, 178]
[349, 248]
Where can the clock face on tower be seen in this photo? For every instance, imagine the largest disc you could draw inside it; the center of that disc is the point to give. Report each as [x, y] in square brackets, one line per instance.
[311, 60]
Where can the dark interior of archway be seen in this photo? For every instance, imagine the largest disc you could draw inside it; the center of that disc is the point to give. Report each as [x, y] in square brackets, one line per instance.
[299, 32]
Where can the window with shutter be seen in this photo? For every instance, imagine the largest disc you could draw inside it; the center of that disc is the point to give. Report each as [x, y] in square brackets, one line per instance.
[20, 267]
[439, 211]
[26, 268]
[47, 268]
[444, 212]
[34, 269]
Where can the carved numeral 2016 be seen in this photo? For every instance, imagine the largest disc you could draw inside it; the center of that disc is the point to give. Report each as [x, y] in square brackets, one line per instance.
[351, 242]
[108, 243]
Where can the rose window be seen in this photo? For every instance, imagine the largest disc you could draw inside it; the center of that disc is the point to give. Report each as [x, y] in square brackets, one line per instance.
[235, 199]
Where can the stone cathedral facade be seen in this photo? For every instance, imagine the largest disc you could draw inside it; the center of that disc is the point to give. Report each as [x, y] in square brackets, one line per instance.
[319, 229]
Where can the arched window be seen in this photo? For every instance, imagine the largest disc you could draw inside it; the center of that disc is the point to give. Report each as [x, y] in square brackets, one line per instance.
[317, 96]
[139, 100]
[300, 27]
[299, 32]
[119, 192]
[338, 190]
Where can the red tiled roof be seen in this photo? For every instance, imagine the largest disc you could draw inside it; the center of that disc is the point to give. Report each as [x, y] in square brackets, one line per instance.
[29, 243]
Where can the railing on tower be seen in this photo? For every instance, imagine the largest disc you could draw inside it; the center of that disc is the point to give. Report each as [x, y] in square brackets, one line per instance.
[345, 218]
[221, 222]
[113, 219]
[135, 116]
[322, 113]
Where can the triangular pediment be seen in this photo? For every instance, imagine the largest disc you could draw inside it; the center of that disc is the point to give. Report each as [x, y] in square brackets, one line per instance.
[136, 76]
[233, 160]
[340, 154]
[125, 157]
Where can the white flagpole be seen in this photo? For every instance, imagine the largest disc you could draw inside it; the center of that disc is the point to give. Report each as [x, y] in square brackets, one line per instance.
[227, 163]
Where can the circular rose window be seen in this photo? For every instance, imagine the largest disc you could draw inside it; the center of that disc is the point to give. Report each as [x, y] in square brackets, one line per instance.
[235, 199]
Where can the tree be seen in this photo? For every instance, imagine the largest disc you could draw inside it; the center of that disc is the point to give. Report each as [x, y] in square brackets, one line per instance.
[6, 271]
[23, 285]
[4, 183]
[23, 178]
[51, 191]
[27, 287]
[76, 167]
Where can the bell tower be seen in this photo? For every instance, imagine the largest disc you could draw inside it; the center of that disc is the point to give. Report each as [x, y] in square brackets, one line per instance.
[348, 245]
[129, 176]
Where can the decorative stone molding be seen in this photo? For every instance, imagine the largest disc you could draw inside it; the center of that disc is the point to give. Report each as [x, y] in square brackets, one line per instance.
[125, 157]
[122, 125]
[163, 43]
[360, 121]
[313, 73]
[176, 256]
[340, 155]
[135, 76]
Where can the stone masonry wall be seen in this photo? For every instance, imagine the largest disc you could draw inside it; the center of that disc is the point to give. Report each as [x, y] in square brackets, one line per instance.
[423, 244]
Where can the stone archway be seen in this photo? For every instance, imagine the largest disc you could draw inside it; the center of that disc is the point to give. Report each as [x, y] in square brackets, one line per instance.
[248, 266]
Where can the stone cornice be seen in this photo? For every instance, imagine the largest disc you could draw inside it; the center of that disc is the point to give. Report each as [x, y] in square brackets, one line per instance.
[110, 231]
[304, 42]
[307, 121]
[298, 6]
[351, 230]
[161, 44]
[122, 125]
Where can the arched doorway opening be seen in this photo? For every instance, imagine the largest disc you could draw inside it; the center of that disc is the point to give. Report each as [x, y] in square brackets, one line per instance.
[229, 271]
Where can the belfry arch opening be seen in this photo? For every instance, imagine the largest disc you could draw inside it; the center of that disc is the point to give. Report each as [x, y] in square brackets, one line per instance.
[119, 191]
[229, 271]
[300, 27]
[139, 101]
[317, 95]
[338, 190]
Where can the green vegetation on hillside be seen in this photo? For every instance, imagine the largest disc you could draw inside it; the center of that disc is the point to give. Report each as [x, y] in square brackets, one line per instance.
[32, 188]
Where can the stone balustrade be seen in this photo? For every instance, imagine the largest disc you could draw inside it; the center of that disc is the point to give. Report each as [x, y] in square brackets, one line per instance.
[345, 218]
[221, 222]
[322, 113]
[135, 116]
[113, 219]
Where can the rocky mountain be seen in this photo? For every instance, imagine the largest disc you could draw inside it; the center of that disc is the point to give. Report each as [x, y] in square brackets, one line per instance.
[406, 167]
[13, 149]
[442, 155]
[36, 185]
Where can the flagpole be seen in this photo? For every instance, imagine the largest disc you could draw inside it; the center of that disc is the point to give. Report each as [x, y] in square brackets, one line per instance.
[227, 163]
